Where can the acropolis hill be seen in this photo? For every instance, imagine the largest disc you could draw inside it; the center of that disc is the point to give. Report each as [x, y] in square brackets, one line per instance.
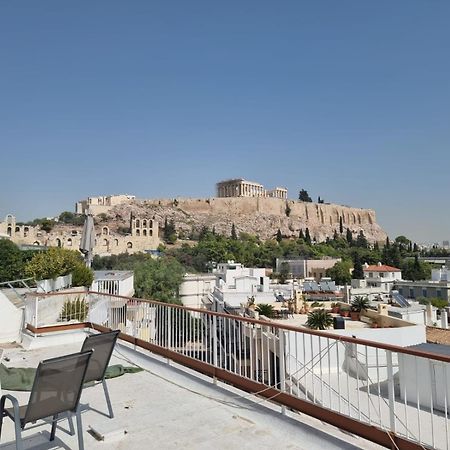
[261, 216]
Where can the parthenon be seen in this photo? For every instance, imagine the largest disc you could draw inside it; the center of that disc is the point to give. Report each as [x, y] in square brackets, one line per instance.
[242, 188]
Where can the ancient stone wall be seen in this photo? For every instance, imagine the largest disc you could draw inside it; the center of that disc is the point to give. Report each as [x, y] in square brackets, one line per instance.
[257, 215]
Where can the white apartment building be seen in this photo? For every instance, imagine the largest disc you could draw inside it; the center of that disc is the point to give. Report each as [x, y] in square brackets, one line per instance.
[235, 284]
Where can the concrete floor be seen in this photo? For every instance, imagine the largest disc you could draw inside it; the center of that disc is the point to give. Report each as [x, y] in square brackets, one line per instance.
[169, 406]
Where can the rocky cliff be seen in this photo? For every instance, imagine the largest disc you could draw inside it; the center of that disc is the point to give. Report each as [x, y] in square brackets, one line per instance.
[258, 216]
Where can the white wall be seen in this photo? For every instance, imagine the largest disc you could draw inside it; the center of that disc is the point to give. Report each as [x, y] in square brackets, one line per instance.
[425, 380]
[10, 320]
[194, 288]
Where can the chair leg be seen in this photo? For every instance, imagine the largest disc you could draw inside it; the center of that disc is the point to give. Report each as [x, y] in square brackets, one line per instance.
[52, 433]
[108, 400]
[17, 424]
[79, 430]
[71, 427]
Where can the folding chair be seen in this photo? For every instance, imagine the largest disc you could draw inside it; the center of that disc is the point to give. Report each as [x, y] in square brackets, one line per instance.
[56, 389]
[103, 345]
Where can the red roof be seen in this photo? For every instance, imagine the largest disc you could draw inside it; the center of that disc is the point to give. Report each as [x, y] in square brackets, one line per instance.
[382, 268]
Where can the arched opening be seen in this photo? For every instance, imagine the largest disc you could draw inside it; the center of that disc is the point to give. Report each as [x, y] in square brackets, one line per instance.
[144, 232]
[116, 242]
[129, 245]
[138, 232]
[105, 230]
[58, 242]
[69, 242]
[9, 231]
[105, 242]
[151, 232]
[25, 231]
[17, 229]
[144, 223]
[36, 243]
[138, 223]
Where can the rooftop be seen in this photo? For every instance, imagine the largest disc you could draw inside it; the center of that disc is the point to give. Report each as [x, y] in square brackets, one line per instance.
[381, 268]
[175, 407]
[116, 275]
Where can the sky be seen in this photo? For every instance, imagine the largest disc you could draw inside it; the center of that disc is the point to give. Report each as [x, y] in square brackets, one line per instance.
[348, 99]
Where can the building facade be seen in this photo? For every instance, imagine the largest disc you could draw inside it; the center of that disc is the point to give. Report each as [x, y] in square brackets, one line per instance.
[243, 188]
[307, 268]
[144, 236]
[101, 204]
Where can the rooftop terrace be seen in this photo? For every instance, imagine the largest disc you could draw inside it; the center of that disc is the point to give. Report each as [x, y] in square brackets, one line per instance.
[320, 380]
[174, 407]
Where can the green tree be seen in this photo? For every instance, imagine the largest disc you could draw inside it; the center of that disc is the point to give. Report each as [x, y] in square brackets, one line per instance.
[301, 235]
[304, 196]
[170, 234]
[341, 225]
[415, 270]
[340, 272]
[284, 272]
[279, 236]
[307, 236]
[361, 240]
[158, 279]
[53, 263]
[360, 303]
[358, 271]
[233, 232]
[82, 276]
[349, 236]
[319, 319]
[12, 263]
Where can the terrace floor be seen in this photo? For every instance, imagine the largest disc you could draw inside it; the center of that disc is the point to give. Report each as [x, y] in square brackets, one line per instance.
[169, 406]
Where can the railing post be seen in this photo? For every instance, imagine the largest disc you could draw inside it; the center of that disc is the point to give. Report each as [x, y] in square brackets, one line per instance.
[36, 300]
[282, 357]
[391, 392]
[214, 349]
[169, 330]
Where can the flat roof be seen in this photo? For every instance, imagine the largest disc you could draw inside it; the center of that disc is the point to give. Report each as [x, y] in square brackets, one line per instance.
[437, 349]
[116, 275]
[172, 407]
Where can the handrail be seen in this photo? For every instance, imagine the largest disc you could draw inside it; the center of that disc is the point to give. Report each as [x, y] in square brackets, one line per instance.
[323, 334]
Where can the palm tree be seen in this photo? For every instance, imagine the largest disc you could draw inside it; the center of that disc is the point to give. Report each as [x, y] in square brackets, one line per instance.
[265, 310]
[319, 320]
[360, 303]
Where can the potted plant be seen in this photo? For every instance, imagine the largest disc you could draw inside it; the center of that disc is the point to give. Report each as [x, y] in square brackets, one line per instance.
[319, 319]
[344, 311]
[358, 304]
[335, 308]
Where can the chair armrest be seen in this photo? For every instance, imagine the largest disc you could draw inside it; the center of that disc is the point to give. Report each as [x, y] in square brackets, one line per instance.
[14, 402]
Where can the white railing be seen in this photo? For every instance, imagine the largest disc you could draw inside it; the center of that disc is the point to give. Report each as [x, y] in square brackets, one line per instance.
[399, 390]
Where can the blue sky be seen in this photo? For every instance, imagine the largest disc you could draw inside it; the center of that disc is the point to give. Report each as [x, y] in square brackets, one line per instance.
[348, 99]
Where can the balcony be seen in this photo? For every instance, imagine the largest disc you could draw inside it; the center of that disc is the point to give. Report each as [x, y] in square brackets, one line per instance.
[220, 380]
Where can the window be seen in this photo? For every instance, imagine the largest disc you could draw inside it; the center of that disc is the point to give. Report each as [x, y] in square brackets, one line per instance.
[424, 293]
[129, 245]
[69, 242]
[411, 293]
[144, 232]
[438, 293]
[138, 232]
[370, 274]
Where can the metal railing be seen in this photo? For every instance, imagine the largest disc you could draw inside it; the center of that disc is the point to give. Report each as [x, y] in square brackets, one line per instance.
[401, 391]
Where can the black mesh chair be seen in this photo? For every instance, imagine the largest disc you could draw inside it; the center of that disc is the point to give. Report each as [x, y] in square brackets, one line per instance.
[103, 345]
[56, 390]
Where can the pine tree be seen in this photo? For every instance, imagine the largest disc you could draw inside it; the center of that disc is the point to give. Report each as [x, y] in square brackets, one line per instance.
[307, 236]
[304, 196]
[376, 246]
[349, 236]
[415, 248]
[301, 234]
[361, 240]
[341, 225]
[358, 271]
[388, 242]
[335, 235]
[279, 236]
[233, 232]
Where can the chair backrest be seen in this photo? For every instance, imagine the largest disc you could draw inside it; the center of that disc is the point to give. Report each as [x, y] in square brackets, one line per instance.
[57, 386]
[103, 346]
